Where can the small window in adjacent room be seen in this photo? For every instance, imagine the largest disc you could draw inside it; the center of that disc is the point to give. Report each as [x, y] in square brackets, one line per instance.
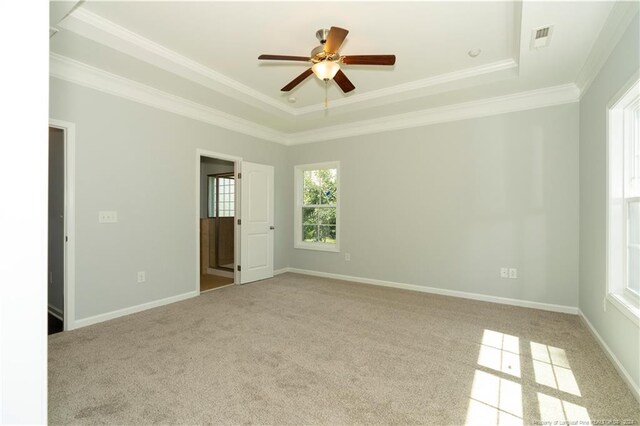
[221, 199]
[317, 206]
[623, 242]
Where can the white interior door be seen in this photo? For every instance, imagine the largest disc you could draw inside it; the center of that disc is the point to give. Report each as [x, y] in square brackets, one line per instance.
[257, 219]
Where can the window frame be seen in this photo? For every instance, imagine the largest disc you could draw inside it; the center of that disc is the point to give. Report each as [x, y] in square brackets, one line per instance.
[298, 243]
[620, 191]
[628, 293]
[216, 177]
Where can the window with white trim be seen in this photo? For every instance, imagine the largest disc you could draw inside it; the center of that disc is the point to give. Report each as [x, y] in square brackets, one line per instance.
[221, 199]
[317, 207]
[623, 242]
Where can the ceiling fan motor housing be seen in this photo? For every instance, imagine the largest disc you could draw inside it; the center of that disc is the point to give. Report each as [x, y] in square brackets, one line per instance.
[318, 54]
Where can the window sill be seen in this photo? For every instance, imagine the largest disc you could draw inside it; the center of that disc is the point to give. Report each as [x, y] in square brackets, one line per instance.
[319, 247]
[625, 306]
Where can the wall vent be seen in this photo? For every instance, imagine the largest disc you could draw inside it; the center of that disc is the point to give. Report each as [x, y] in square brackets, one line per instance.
[542, 32]
[540, 37]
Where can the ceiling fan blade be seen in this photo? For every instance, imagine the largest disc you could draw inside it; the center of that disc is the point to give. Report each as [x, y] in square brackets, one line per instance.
[299, 79]
[345, 84]
[369, 59]
[335, 39]
[284, 58]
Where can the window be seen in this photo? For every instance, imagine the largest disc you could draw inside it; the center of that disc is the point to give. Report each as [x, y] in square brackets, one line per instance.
[221, 195]
[623, 265]
[317, 206]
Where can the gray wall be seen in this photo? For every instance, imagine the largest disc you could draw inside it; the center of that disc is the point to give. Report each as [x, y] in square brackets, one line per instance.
[444, 206]
[619, 332]
[447, 205]
[141, 162]
[55, 276]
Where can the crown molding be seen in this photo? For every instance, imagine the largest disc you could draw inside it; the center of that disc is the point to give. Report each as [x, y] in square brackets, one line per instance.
[413, 87]
[612, 31]
[108, 33]
[103, 31]
[539, 98]
[85, 75]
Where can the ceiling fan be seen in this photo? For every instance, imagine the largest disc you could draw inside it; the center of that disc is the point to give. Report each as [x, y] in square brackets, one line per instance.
[326, 60]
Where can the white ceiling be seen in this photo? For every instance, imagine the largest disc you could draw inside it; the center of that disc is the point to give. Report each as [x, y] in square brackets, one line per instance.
[206, 52]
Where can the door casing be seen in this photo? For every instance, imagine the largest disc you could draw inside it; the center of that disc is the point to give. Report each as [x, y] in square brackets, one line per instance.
[69, 219]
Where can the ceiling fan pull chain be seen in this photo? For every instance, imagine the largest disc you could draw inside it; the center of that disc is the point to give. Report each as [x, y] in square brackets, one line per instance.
[326, 92]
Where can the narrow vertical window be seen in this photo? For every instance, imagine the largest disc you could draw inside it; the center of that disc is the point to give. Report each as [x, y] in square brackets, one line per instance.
[317, 206]
[623, 198]
[631, 122]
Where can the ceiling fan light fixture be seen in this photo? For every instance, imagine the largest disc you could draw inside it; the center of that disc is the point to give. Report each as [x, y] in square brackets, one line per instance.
[326, 59]
[325, 70]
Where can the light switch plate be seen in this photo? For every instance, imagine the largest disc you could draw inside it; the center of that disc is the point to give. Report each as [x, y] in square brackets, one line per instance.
[109, 216]
[513, 273]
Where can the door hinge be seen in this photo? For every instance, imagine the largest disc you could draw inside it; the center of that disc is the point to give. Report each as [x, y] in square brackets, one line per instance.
[239, 175]
[66, 239]
[239, 221]
[239, 268]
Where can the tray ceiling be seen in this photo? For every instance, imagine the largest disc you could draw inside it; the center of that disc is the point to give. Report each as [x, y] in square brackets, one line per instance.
[206, 52]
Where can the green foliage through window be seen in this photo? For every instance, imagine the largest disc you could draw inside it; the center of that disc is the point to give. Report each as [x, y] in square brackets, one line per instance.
[319, 192]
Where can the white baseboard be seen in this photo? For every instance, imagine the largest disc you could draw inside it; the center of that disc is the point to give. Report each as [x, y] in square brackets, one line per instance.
[132, 309]
[56, 312]
[433, 290]
[220, 273]
[635, 389]
[280, 271]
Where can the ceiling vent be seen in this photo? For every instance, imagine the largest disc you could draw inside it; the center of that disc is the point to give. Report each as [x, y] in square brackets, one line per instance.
[540, 37]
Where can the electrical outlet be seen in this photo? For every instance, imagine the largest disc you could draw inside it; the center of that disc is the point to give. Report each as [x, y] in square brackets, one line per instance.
[347, 257]
[107, 217]
[504, 272]
[513, 272]
[142, 277]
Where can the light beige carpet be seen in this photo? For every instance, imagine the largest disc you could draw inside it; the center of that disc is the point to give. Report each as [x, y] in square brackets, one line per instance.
[305, 350]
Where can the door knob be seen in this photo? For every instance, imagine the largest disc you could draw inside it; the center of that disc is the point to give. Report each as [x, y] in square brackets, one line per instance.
[272, 227]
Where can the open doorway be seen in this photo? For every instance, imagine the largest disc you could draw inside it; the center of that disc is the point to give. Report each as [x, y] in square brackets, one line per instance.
[253, 242]
[56, 231]
[61, 226]
[217, 223]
